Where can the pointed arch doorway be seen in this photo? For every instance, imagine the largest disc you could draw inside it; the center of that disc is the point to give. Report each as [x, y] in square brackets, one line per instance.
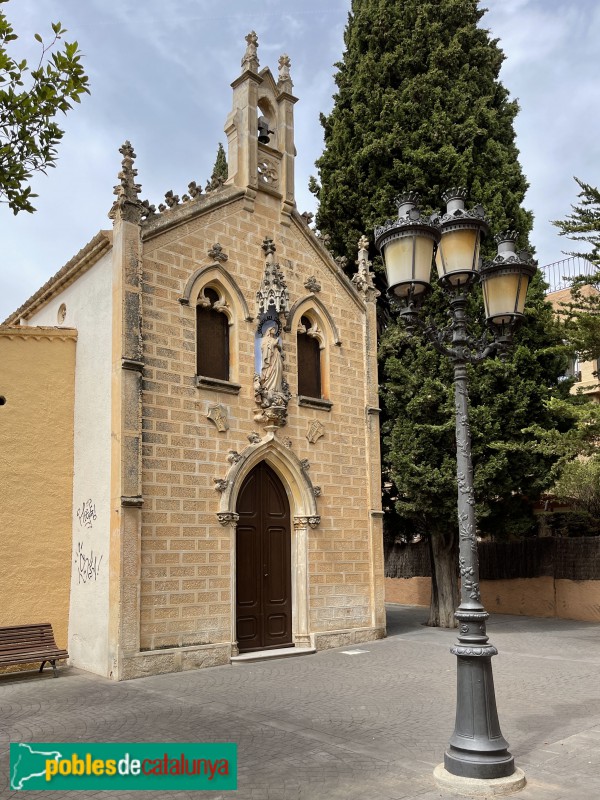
[263, 563]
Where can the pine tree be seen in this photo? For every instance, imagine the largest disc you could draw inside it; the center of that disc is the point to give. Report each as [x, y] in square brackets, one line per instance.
[420, 106]
[583, 313]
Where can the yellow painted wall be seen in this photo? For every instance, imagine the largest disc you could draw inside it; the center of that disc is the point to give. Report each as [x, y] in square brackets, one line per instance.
[534, 597]
[37, 369]
[588, 382]
[408, 591]
[578, 600]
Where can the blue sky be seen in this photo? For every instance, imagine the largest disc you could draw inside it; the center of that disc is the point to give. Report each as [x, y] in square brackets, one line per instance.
[160, 73]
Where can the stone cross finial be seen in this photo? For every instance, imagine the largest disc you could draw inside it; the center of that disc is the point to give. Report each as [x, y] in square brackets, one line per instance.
[127, 206]
[284, 82]
[250, 59]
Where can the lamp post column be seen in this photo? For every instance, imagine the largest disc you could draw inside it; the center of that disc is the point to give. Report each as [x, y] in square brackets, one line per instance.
[477, 748]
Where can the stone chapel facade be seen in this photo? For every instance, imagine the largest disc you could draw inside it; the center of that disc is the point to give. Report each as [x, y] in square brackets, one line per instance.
[226, 472]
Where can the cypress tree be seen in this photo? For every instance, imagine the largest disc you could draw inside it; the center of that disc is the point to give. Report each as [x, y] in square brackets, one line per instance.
[220, 169]
[420, 106]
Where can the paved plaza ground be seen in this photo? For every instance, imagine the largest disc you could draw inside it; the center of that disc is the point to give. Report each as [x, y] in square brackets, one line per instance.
[368, 725]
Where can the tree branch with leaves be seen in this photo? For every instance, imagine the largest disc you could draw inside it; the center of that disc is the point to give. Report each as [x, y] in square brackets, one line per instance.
[29, 102]
[582, 313]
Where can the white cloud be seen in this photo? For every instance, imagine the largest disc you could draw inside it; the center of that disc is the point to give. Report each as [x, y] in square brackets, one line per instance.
[551, 66]
[160, 74]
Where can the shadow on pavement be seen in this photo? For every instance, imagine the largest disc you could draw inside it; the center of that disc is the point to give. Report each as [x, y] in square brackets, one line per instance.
[403, 619]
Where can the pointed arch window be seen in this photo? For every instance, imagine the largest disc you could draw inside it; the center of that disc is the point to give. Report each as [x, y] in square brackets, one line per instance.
[309, 359]
[212, 337]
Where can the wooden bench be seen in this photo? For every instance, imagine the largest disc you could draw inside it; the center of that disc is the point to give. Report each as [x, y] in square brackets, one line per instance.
[22, 644]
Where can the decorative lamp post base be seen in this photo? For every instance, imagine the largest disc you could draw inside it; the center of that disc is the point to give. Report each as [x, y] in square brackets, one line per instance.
[476, 787]
[477, 748]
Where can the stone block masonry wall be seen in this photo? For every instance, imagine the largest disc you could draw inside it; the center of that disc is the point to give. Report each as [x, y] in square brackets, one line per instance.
[186, 589]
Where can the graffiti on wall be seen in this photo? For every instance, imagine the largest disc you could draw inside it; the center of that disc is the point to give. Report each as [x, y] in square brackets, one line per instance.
[86, 514]
[87, 564]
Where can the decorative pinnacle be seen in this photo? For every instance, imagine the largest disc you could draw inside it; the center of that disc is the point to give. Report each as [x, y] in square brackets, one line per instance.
[128, 188]
[268, 247]
[126, 151]
[250, 59]
[284, 81]
[363, 280]
[127, 205]
[273, 288]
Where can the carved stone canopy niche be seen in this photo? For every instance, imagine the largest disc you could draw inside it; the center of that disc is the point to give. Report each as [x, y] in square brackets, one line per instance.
[273, 292]
[271, 389]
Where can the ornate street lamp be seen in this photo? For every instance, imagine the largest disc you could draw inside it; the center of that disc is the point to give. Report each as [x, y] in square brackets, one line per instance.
[477, 748]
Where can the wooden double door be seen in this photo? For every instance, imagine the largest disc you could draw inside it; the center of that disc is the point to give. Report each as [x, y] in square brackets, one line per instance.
[263, 563]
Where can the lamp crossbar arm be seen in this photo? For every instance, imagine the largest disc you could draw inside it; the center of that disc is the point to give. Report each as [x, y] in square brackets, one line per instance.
[463, 347]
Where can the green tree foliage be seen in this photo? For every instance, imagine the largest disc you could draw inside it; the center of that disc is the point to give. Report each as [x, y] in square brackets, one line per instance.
[576, 471]
[220, 169]
[521, 420]
[582, 314]
[420, 106]
[29, 103]
[579, 486]
[517, 424]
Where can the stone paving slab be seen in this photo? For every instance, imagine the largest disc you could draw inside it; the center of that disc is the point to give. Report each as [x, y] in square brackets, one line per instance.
[372, 724]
